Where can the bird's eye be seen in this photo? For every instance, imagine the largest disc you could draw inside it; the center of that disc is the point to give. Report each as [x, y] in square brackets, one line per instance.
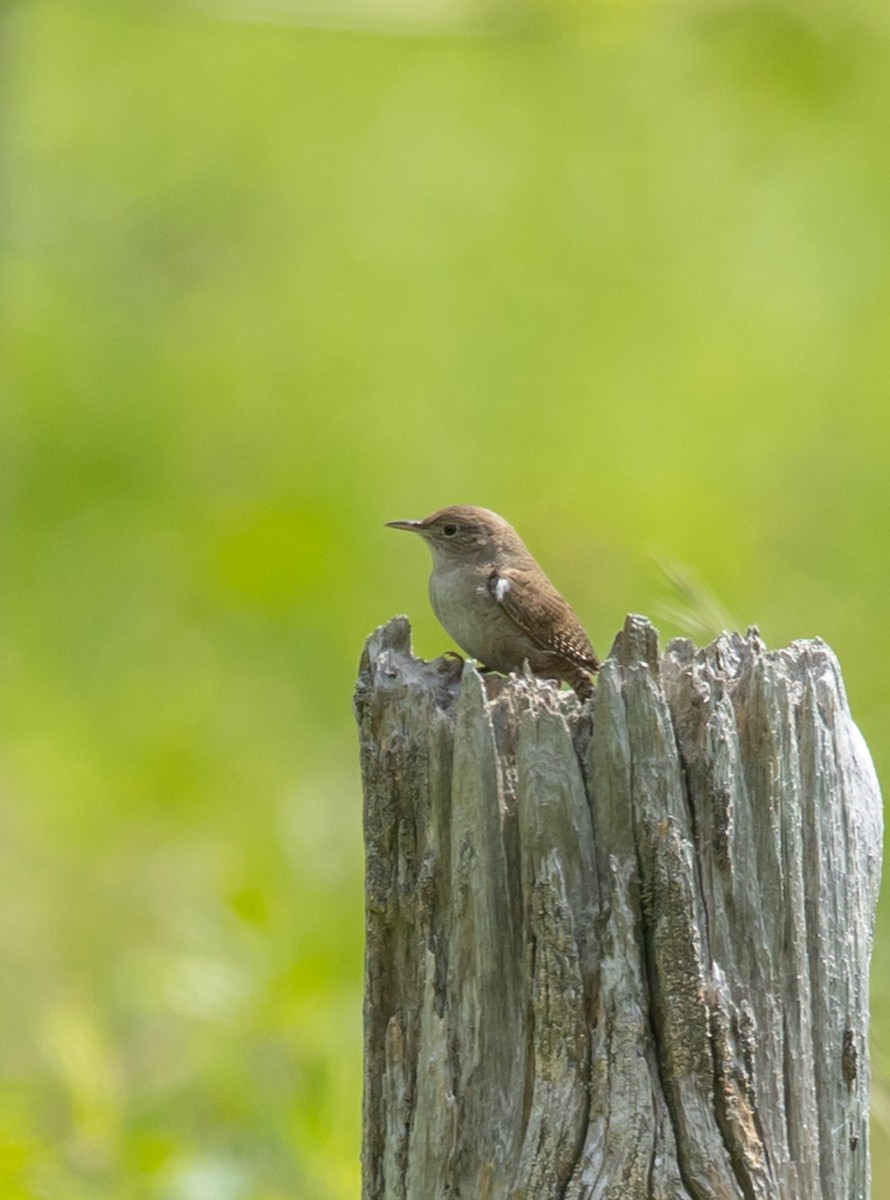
[449, 530]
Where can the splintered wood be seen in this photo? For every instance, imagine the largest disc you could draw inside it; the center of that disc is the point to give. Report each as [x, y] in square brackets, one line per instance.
[617, 949]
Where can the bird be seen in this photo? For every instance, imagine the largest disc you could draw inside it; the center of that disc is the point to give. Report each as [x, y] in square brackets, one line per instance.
[493, 598]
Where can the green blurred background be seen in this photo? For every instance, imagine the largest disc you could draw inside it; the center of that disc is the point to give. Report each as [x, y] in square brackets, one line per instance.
[274, 273]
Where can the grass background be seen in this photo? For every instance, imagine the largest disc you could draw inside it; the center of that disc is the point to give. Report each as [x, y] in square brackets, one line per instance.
[275, 273]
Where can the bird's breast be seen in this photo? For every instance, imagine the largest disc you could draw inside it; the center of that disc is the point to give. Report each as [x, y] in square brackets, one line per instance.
[463, 602]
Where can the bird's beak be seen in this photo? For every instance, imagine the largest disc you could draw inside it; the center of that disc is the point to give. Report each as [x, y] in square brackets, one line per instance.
[413, 526]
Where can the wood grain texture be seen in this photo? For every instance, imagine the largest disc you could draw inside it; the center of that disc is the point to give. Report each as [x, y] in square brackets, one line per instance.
[617, 949]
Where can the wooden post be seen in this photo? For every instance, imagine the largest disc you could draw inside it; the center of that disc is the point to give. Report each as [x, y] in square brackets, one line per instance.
[617, 950]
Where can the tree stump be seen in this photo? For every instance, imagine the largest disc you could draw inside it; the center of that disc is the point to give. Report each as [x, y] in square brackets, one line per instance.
[617, 949]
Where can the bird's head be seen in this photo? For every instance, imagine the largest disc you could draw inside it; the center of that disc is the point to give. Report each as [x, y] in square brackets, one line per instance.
[463, 533]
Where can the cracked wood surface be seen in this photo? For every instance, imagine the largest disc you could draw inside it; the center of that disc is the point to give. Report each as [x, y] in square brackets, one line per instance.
[620, 949]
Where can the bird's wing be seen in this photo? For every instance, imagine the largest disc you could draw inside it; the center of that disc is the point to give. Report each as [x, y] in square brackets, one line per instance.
[542, 613]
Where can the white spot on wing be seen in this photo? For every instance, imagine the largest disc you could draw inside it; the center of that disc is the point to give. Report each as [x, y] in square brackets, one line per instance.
[500, 589]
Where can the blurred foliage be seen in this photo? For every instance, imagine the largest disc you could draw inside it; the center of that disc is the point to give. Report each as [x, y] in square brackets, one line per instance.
[617, 271]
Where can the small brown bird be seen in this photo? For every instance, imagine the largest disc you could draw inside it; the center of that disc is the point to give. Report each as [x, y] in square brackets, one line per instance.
[495, 601]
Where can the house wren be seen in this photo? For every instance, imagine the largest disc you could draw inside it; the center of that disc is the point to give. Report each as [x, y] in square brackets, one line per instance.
[495, 601]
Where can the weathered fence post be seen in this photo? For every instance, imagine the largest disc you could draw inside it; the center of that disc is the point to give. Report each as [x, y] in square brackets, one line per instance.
[618, 950]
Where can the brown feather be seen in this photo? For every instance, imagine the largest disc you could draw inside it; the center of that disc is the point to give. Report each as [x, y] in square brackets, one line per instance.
[545, 616]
